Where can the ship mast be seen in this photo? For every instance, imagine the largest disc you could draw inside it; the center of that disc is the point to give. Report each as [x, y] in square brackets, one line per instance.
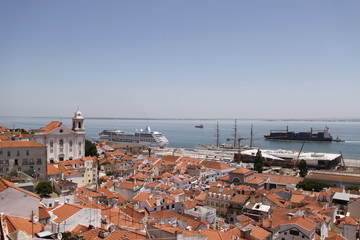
[251, 135]
[217, 135]
[235, 132]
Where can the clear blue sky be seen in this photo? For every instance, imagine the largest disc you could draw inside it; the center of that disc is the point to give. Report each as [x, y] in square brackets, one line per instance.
[198, 59]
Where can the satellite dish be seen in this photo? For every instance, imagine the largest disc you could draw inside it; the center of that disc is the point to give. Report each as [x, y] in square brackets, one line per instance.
[59, 236]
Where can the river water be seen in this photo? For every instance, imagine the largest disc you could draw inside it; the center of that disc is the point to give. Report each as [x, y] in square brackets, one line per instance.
[183, 134]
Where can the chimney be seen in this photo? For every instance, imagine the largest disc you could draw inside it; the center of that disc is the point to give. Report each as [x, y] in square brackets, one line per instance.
[157, 201]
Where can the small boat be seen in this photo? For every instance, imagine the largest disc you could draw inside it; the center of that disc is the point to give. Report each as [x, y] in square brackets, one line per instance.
[337, 139]
[199, 126]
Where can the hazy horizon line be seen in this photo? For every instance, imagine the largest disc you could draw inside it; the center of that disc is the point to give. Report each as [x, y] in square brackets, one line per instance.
[203, 119]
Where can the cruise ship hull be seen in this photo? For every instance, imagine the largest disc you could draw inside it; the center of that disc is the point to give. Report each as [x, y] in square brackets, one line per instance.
[146, 138]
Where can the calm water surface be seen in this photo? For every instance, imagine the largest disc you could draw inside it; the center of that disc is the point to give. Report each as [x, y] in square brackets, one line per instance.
[183, 134]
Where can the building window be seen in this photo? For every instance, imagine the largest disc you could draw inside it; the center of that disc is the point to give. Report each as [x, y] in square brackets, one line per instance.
[31, 161]
[293, 232]
[17, 153]
[1, 169]
[7, 162]
[61, 143]
[39, 161]
[70, 143]
[8, 153]
[1, 152]
[51, 144]
[25, 162]
[27, 152]
[16, 162]
[1, 161]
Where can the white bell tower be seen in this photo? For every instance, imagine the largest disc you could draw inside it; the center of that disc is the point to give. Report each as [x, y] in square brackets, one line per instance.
[78, 122]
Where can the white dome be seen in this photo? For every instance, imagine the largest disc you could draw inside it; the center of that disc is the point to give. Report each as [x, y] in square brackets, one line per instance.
[78, 115]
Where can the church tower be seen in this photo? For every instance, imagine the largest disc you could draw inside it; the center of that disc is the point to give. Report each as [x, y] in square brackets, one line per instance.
[78, 122]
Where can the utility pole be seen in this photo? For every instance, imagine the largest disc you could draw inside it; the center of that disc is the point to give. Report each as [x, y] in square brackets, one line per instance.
[32, 224]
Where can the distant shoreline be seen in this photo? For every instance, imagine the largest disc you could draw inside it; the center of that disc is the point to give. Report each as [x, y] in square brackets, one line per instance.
[207, 119]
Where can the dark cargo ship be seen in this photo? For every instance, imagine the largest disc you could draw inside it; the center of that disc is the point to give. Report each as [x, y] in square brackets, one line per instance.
[312, 135]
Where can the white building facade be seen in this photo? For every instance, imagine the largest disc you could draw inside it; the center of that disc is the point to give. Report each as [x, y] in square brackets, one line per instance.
[62, 142]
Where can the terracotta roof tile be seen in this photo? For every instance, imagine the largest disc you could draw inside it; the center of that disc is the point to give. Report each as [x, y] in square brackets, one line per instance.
[279, 178]
[65, 211]
[216, 165]
[305, 223]
[53, 125]
[258, 232]
[52, 170]
[242, 171]
[23, 224]
[20, 144]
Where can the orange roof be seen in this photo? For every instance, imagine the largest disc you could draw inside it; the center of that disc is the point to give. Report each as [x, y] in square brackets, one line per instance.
[279, 178]
[305, 223]
[52, 126]
[213, 234]
[20, 144]
[52, 170]
[106, 192]
[79, 229]
[258, 232]
[23, 224]
[3, 138]
[127, 185]
[216, 165]
[65, 211]
[6, 184]
[242, 171]
[297, 198]
[240, 198]
[43, 214]
[256, 180]
[277, 200]
[336, 178]
[142, 196]
[347, 220]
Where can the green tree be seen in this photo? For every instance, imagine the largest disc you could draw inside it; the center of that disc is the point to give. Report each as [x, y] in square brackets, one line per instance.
[43, 189]
[303, 168]
[353, 188]
[313, 185]
[258, 162]
[90, 148]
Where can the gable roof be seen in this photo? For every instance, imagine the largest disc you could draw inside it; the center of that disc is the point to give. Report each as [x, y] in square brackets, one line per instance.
[65, 211]
[22, 224]
[54, 125]
[4, 184]
[302, 222]
[52, 170]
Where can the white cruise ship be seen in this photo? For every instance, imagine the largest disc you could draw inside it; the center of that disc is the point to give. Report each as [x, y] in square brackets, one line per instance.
[144, 137]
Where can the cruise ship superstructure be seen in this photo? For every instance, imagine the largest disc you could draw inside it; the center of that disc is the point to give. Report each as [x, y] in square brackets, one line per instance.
[144, 137]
